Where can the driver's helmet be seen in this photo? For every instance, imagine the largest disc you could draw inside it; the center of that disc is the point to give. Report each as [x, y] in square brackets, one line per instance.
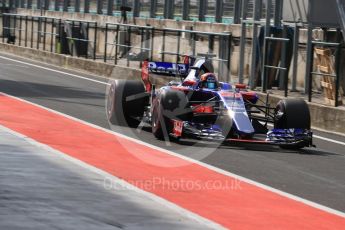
[209, 81]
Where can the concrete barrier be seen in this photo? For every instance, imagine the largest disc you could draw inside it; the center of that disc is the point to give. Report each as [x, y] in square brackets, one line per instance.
[323, 117]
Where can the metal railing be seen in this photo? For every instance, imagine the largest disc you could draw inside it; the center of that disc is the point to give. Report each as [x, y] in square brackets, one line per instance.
[29, 30]
[282, 67]
[135, 44]
[51, 34]
[89, 40]
[116, 43]
[125, 46]
[337, 47]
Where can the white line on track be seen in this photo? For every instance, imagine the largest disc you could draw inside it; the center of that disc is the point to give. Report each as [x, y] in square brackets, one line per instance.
[54, 70]
[210, 167]
[105, 83]
[329, 140]
[15, 65]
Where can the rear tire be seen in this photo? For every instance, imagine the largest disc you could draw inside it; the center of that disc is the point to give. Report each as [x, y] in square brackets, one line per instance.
[126, 102]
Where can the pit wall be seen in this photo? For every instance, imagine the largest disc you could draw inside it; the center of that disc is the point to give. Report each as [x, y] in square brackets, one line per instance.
[323, 117]
[197, 26]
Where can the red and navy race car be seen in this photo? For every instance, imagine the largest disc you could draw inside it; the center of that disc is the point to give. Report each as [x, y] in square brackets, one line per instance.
[201, 107]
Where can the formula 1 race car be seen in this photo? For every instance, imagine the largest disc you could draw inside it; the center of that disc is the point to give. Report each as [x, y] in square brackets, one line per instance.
[201, 107]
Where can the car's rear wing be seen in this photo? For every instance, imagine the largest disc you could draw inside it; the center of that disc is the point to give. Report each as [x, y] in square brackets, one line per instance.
[164, 68]
[168, 68]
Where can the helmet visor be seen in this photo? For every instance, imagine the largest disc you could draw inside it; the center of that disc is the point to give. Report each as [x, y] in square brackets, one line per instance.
[211, 85]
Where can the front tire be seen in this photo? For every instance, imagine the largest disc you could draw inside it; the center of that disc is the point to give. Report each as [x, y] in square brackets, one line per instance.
[161, 126]
[292, 114]
[170, 105]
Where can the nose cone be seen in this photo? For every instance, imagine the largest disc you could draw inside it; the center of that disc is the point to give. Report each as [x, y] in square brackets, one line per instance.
[242, 122]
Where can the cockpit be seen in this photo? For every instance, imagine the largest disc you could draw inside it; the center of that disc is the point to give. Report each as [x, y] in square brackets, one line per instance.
[209, 81]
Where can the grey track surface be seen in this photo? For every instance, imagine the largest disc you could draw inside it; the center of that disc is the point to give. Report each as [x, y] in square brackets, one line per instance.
[316, 174]
[41, 190]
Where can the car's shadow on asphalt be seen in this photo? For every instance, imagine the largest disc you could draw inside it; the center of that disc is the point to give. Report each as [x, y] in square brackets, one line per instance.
[317, 152]
[271, 148]
[29, 89]
[253, 147]
[257, 148]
